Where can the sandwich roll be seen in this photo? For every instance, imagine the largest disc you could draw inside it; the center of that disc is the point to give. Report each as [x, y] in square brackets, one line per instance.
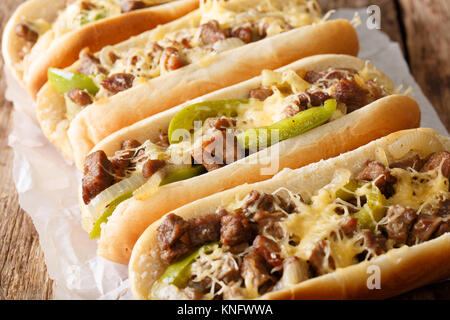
[313, 109]
[317, 232]
[51, 33]
[218, 45]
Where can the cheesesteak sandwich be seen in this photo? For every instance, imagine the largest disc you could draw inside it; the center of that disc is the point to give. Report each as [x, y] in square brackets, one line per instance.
[313, 233]
[220, 44]
[51, 33]
[313, 109]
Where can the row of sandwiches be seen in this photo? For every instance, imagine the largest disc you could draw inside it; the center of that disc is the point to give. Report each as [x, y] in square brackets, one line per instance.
[202, 131]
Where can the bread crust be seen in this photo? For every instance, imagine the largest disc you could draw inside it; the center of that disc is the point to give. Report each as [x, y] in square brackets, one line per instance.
[401, 269]
[102, 118]
[63, 51]
[384, 116]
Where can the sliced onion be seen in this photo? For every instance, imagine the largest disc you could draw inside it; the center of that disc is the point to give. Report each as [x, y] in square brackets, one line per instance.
[103, 199]
[151, 186]
[228, 44]
[414, 141]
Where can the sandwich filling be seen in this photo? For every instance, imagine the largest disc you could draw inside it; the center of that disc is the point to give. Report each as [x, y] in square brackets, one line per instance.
[210, 135]
[265, 242]
[74, 16]
[223, 25]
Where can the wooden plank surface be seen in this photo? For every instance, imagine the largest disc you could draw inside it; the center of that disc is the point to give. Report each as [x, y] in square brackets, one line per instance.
[420, 26]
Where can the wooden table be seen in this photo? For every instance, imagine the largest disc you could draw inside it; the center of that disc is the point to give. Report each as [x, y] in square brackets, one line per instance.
[420, 26]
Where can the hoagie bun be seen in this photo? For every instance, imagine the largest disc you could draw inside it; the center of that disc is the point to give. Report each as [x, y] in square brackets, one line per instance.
[47, 33]
[75, 138]
[416, 160]
[383, 116]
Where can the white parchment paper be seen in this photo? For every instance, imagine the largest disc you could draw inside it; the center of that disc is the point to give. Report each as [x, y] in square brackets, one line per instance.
[47, 184]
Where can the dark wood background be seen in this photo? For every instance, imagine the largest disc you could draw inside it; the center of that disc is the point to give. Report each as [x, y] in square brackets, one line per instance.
[422, 27]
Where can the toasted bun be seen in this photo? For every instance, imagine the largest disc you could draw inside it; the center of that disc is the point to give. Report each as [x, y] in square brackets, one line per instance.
[384, 116]
[401, 269]
[63, 51]
[100, 119]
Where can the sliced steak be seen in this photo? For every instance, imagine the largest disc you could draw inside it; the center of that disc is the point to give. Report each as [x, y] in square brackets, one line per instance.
[255, 271]
[317, 259]
[414, 162]
[436, 160]
[23, 31]
[269, 249]
[131, 5]
[376, 243]
[350, 93]
[236, 229]
[150, 167]
[400, 221]
[97, 175]
[173, 238]
[118, 82]
[205, 229]
[80, 97]
[348, 226]
[89, 64]
[261, 93]
[210, 32]
[171, 59]
[424, 228]
[374, 170]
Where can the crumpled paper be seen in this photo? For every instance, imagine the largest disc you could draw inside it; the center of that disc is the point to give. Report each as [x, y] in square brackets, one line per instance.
[47, 184]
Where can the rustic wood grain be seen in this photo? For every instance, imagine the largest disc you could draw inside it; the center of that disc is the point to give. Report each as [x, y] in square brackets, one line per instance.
[23, 274]
[427, 27]
[420, 26]
[389, 14]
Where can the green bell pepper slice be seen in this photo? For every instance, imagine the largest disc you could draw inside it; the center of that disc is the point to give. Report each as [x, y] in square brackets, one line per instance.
[64, 81]
[178, 273]
[200, 112]
[95, 232]
[373, 211]
[351, 186]
[257, 138]
[87, 19]
[183, 174]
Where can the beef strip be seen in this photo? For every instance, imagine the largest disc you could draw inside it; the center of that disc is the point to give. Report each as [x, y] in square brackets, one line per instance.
[243, 33]
[414, 162]
[118, 82]
[173, 238]
[217, 150]
[348, 226]
[80, 97]
[97, 175]
[220, 123]
[23, 31]
[210, 32]
[131, 5]
[121, 160]
[317, 259]
[89, 64]
[350, 93]
[384, 180]
[269, 249]
[263, 201]
[236, 229]
[400, 221]
[255, 270]
[150, 167]
[435, 160]
[204, 229]
[424, 228]
[261, 93]
[268, 223]
[171, 59]
[443, 209]
[376, 243]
